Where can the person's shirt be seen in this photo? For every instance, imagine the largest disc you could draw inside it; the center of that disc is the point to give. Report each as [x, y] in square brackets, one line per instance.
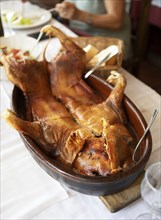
[97, 7]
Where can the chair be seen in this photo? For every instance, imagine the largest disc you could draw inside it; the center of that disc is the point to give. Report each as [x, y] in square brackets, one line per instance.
[139, 13]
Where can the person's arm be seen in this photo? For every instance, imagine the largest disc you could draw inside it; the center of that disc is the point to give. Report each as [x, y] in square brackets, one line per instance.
[112, 19]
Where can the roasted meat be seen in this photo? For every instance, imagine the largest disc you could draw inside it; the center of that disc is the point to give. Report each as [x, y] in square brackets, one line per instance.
[48, 122]
[52, 126]
[65, 116]
[103, 118]
[68, 67]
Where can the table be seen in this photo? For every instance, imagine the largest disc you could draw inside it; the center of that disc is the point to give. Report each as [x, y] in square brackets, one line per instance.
[30, 193]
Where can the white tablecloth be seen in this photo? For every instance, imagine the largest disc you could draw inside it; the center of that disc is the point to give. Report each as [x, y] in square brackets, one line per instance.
[27, 192]
[25, 188]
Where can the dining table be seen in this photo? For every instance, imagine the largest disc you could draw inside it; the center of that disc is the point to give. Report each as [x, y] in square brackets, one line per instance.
[28, 192]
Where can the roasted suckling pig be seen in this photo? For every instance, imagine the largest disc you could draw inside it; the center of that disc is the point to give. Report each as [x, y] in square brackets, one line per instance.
[65, 116]
[102, 118]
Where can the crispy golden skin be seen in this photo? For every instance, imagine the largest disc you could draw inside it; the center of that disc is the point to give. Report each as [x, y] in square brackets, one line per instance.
[92, 136]
[103, 118]
[52, 126]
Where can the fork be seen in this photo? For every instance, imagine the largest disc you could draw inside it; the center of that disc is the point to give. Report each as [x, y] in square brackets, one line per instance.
[145, 132]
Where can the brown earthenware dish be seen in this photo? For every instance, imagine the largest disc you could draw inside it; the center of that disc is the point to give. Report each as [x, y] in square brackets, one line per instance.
[86, 184]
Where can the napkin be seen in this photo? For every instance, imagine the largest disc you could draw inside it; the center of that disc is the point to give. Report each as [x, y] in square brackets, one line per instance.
[26, 189]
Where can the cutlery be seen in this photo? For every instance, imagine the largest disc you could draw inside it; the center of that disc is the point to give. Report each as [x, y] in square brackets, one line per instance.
[51, 10]
[45, 11]
[112, 51]
[37, 41]
[145, 132]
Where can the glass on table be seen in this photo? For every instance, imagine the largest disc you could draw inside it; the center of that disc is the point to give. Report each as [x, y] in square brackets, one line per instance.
[151, 192]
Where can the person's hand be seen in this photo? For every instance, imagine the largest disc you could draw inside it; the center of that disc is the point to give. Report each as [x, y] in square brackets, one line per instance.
[67, 10]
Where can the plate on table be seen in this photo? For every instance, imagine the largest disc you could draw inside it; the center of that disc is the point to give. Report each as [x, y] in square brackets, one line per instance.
[23, 15]
[22, 43]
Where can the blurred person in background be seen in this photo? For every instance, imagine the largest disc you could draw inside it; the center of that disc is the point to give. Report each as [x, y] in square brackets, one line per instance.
[99, 18]
[93, 17]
